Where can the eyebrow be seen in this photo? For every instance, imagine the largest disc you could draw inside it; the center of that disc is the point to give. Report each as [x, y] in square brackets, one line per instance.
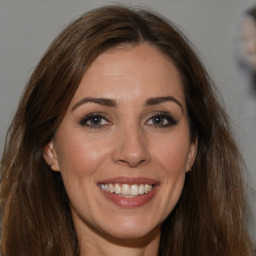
[159, 100]
[100, 101]
[112, 103]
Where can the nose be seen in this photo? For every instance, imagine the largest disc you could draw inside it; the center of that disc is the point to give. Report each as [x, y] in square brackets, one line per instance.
[131, 149]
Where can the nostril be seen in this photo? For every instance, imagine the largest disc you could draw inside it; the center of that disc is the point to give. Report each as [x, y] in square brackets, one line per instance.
[131, 150]
[131, 163]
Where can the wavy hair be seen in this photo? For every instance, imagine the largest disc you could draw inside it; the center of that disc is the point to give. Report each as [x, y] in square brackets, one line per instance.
[210, 216]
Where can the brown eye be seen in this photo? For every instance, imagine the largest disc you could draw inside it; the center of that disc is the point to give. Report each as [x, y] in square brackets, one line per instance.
[159, 120]
[94, 120]
[162, 120]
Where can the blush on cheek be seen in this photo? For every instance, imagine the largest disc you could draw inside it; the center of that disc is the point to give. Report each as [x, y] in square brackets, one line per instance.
[173, 160]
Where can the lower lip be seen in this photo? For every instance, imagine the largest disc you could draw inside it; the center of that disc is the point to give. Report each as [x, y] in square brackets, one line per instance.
[131, 202]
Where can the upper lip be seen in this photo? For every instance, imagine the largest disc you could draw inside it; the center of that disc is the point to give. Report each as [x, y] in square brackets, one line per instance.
[129, 181]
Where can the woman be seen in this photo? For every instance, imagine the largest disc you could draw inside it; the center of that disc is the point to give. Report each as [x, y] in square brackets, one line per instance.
[119, 146]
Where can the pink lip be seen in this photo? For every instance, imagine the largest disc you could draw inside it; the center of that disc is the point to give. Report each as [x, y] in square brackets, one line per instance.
[133, 202]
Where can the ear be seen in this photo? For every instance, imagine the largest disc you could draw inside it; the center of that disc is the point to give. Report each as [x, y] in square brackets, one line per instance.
[50, 156]
[191, 154]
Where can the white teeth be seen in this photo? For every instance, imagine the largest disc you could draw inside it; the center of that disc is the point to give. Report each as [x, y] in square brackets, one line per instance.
[111, 188]
[117, 189]
[141, 189]
[127, 190]
[134, 190]
[107, 187]
[148, 188]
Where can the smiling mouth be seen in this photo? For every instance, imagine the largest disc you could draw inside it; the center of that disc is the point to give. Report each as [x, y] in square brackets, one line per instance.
[127, 190]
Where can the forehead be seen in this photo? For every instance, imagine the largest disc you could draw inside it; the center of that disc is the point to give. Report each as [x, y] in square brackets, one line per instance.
[130, 72]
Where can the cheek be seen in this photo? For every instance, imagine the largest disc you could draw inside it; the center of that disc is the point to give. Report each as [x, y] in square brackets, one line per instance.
[172, 154]
[80, 159]
[80, 156]
[171, 157]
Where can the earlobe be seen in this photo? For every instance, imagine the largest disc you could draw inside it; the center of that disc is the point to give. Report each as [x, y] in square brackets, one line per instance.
[50, 156]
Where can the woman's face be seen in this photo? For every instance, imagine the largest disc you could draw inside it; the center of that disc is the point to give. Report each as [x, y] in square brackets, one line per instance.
[123, 147]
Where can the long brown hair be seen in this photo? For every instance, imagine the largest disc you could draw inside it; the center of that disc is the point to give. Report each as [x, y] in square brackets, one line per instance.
[210, 216]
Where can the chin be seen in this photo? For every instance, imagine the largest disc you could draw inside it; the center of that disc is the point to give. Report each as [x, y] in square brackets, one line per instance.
[130, 228]
[133, 236]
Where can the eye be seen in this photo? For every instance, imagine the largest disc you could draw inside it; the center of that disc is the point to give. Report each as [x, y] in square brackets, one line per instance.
[94, 121]
[162, 120]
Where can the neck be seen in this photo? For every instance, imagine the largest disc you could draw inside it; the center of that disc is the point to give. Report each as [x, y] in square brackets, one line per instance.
[96, 244]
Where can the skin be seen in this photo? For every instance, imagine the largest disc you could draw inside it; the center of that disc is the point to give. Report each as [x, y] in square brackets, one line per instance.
[127, 142]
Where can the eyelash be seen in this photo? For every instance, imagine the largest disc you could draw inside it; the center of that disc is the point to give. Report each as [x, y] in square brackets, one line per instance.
[84, 121]
[101, 117]
[170, 120]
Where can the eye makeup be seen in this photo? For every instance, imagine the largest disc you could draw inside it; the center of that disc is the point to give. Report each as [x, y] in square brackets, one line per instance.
[98, 120]
[94, 120]
[162, 120]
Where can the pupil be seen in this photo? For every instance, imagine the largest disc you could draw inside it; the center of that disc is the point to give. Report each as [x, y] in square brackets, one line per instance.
[158, 120]
[95, 120]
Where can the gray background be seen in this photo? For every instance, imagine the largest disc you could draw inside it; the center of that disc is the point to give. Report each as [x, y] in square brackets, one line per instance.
[27, 27]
